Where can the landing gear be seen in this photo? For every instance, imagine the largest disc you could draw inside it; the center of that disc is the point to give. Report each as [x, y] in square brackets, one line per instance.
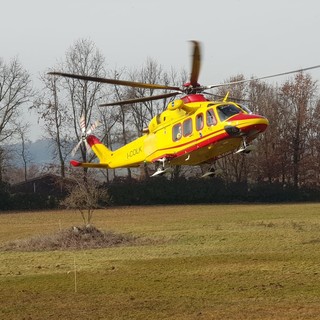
[161, 170]
[245, 147]
[234, 131]
[212, 172]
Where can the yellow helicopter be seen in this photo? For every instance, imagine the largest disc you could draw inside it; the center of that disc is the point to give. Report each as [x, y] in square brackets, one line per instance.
[191, 131]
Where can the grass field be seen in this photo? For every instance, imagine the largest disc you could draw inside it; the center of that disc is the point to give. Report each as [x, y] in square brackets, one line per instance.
[204, 262]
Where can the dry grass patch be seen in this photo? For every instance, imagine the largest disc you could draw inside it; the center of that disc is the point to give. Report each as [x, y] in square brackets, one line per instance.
[87, 237]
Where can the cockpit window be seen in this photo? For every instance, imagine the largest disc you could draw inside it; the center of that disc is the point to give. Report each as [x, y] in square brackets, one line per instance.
[245, 108]
[227, 111]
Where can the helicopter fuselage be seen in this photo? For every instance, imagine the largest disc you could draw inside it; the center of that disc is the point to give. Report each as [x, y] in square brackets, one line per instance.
[187, 133]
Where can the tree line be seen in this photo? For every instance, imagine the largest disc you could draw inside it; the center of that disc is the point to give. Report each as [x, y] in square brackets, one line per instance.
[287, 154]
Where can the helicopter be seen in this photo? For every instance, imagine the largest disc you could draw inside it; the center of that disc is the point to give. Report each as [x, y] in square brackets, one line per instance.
[192, 130]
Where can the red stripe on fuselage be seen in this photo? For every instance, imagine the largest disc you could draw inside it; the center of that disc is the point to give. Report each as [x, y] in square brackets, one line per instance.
[244, 116]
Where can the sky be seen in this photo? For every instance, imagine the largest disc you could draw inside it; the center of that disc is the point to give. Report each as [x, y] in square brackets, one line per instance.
[249, 37]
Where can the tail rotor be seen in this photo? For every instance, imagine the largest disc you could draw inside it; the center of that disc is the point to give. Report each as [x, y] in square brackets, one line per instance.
[84, 134]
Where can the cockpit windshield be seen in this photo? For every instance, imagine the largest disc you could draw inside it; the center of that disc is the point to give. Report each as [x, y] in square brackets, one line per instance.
[226, 111]
[245, 108]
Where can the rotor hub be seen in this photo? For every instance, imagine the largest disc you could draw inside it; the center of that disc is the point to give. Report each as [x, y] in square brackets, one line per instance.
[189, 84]
[190, 88]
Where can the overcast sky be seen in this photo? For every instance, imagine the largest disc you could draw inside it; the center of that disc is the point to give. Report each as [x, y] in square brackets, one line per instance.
[250, 37]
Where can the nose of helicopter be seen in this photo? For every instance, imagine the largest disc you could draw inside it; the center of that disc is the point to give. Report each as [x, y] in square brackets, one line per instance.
[258, 122]
[248, 124]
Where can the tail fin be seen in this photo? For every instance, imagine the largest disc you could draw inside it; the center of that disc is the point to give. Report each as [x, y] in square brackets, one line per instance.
[101, 151]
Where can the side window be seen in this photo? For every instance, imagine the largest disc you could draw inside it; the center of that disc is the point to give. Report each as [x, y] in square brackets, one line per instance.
[176, 132]
[187, 127]
[211, 119]
[199, 121]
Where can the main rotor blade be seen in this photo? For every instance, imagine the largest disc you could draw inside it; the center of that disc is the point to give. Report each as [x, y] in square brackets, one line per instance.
[115, 81]
[144, 99]
[196, 61]
[230, 98]
[261, 78]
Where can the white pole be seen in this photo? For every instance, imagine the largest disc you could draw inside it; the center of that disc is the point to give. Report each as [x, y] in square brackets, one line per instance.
[75, 275]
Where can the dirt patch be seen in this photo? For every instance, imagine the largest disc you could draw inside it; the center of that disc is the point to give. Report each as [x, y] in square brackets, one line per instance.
[88, 237]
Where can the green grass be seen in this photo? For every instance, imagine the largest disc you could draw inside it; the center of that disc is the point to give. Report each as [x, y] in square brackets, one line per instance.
[209, 262]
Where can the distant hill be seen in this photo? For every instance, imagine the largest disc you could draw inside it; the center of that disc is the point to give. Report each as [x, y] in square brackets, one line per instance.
[39, 152]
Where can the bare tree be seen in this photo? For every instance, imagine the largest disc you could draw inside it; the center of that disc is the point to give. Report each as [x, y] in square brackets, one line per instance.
[63, 100]
[24, 153]
[15, 92]
[56, 117]
[85, 197]
[83, 58]
[313, 169]
[298, 98]
[267, 160]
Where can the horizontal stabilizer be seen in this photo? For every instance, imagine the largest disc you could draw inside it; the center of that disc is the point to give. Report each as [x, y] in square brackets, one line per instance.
[88, 165]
